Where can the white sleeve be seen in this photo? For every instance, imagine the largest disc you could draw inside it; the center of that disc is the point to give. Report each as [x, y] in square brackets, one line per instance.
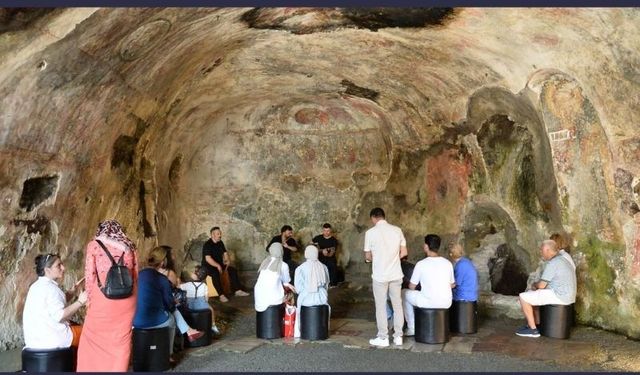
[298, 282]
[284, 273]
[367, 240]
[415, 275]
[452, 278]
[403, 241]
[54, 305]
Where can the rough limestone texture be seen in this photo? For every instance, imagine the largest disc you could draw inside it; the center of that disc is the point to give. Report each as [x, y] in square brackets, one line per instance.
[494, 127]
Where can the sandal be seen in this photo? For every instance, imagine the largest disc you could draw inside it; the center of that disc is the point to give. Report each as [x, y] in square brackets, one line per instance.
[194, 336]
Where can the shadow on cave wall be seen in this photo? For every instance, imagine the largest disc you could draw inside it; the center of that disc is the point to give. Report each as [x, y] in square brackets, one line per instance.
[328, 19]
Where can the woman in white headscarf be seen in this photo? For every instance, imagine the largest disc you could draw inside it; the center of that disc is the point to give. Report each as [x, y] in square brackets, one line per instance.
[273, 276]
[311, 282]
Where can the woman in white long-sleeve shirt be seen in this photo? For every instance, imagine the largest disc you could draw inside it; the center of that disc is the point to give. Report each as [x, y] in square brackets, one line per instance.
[273, 276]
[45, 319]
[311, 282]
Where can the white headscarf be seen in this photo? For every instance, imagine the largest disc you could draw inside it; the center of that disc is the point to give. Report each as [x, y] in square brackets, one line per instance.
[274, 261]
[316, 275]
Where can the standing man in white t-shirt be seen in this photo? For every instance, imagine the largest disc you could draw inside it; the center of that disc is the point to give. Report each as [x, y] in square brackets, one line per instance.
[384, 245]
[435, 276]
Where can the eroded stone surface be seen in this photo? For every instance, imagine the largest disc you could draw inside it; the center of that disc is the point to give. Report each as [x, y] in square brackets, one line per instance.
[175, 120]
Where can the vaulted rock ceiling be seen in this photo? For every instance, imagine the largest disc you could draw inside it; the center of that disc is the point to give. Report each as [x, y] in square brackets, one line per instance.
[495, 127]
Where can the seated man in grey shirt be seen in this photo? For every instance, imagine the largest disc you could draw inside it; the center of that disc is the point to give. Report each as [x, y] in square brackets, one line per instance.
[557, 286]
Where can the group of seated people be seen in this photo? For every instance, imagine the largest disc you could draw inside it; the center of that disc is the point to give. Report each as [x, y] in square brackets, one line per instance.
[326, 243]
[46, 319]
[108, 322]
[434, 282]
[311, 281]
[152, 304]
[156, 306]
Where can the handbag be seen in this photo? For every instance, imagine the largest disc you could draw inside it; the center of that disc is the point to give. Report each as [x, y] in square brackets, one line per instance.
[288, 328]
[289, 320]
[179, 296]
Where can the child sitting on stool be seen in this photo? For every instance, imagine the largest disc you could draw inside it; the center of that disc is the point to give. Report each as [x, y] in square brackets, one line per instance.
[197, 292]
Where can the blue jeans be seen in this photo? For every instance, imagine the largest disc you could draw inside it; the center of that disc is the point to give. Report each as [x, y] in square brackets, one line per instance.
[199, 303]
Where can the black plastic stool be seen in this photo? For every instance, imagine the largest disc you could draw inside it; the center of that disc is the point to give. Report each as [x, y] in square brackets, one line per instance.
[556, 321]
[431, 325]
[314, 322]
[178, 341]
[463, 317]
[151, 349]
[200, 320]
[48, 360]
[269, 322]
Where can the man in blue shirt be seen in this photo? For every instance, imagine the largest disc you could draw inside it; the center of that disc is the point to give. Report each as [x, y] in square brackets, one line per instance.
[465, 274]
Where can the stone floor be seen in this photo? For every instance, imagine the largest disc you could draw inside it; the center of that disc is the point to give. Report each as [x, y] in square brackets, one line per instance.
[352, 325]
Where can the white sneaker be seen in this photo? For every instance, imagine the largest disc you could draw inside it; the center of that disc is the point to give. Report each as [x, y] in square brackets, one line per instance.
[409, 333]
[242, 293]
[379, 342]
[397, 341]
[223, 299]
[215, 330]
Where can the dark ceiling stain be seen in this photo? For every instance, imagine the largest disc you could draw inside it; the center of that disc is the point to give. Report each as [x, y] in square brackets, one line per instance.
[355, 90]
[379, 18]
[251, 17]
[361, 18]
[14, 19]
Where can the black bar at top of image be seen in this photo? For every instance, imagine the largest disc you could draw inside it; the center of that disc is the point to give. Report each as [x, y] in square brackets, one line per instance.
[319, 3]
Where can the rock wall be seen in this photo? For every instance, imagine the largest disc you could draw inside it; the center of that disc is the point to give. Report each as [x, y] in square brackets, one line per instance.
[175, 120]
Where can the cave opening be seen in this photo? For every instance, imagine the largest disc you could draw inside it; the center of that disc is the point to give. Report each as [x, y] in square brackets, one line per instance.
[37, 190]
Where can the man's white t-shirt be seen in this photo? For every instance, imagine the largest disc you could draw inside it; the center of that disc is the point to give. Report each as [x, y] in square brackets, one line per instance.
[435, 276]
[384, 241]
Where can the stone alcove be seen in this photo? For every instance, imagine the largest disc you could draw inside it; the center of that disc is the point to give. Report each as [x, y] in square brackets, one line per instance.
[490, 240]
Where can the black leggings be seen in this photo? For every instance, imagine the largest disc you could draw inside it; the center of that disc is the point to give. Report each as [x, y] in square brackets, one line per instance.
[233, 277]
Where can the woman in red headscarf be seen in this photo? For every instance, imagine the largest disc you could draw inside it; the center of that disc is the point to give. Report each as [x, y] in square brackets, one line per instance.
[105, 343]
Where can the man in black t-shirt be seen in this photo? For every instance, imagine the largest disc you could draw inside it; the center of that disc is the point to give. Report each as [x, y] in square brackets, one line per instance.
[215, 260]
[327, 244]
[289, 245]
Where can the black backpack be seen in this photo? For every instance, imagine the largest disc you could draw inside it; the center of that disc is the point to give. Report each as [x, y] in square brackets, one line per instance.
[119, 283]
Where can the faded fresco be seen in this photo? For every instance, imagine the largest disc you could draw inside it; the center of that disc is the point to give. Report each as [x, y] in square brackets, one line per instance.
[175, 120]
